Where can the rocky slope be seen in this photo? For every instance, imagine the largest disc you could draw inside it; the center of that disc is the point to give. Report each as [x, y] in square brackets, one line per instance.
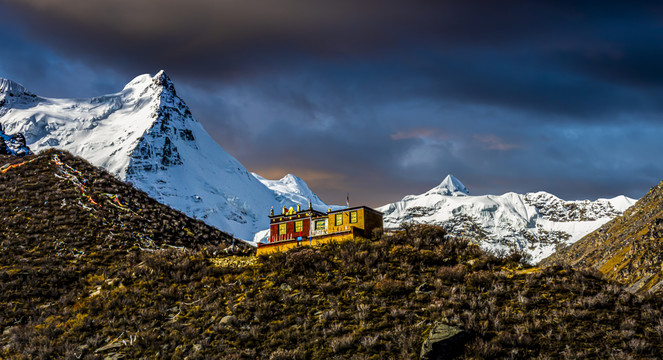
[628, 249]
[536, 223]
[146, 134]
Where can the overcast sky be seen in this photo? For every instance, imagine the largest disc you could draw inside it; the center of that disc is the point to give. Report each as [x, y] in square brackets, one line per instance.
[380, 98]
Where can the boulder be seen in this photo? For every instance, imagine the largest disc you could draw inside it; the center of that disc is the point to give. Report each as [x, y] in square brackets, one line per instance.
[443, 342]
[228, 320]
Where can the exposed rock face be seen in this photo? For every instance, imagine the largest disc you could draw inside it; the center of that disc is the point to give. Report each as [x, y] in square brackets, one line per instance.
[12, 92]
[443, 342]
[628, 249]
[13, 144]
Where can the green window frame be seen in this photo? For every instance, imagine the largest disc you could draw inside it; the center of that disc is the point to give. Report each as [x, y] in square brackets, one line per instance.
[339, 219]
[299, 226]
[282, 229]
[353, 217]
[320, 225]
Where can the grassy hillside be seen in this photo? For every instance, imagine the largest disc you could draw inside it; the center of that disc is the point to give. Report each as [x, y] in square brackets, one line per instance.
[365, 300]
[65, 222]
[91, 268]
[628, 249]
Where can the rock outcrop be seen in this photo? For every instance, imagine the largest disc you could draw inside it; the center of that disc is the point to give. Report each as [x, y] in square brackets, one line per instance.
[443, 342]
[13, 144]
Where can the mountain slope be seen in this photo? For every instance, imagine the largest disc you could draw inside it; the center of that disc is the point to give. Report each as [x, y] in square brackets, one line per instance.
[66, 223]
[146, 135]
[628, 249]
[361, 300]
[534, 222]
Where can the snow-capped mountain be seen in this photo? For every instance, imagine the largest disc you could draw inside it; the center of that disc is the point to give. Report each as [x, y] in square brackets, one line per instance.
[292, 188]
[146, 135]
[450, 186]
[534, 222]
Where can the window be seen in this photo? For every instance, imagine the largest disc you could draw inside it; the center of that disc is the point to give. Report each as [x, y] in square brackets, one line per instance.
[299, 226]
[282, 229]
[320, 225]
[353, 217]
[339, 219]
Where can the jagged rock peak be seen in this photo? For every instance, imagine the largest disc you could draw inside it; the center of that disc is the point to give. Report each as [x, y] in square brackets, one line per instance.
[146, 80]
[451, 186]
[11, 87]
[161, 79]
[12, 92]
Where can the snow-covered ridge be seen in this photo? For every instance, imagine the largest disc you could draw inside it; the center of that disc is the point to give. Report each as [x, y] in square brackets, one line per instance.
[292, 188]
[11, 88]
[147, 135]
[12, 92]
[532, 222]
[550, 207]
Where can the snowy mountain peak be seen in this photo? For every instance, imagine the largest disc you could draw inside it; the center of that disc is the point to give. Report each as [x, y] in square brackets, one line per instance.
[139, 82]
[163, 80]
[292, 179]
[450, 186]
[158, 83]
[11, 87]
[147, 135]
[292, 188]
[296, 185]
[11, 91]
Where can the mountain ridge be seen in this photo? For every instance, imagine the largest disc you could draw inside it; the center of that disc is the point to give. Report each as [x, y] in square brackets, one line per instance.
[534, 223]
[147, 135]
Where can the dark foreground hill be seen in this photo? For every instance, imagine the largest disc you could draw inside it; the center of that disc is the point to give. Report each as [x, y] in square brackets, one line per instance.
[628, 249]
[56, 200]
[364, 300]
[64, 222]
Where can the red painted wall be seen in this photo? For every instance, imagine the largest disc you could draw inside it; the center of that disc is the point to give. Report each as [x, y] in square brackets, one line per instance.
[273, 232]
[290, 230]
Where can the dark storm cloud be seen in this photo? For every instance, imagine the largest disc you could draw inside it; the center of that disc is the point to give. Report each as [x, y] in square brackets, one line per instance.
[544, 56]
[222, 36]
[381, 97]
[41, 69]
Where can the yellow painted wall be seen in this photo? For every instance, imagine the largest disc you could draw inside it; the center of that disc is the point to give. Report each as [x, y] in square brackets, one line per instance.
[276, 248]
[331, 221]
[314, 242]
[367, 221]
